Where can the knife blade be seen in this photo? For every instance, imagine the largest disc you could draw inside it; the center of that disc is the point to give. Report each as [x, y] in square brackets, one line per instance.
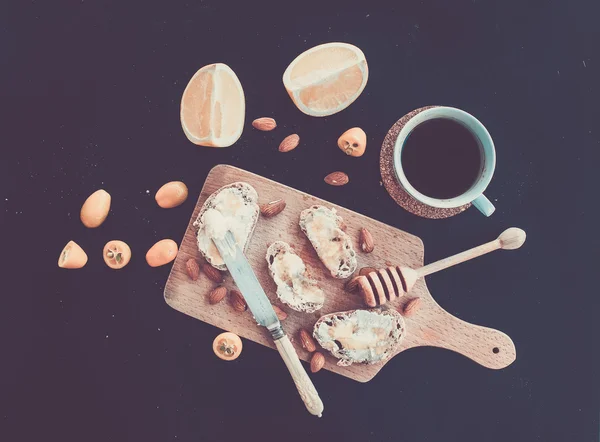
[263, 312]
[246, 280]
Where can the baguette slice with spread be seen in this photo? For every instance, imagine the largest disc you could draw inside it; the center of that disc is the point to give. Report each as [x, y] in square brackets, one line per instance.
[360, 336]
[237, 204]
[325, 230]
[295, 288]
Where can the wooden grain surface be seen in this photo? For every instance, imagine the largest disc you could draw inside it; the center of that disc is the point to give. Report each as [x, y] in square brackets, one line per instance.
[430, 325]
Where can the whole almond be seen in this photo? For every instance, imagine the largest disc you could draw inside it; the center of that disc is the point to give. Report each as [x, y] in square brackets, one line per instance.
[289, 143]
[307, 341]
[237, 301]
[366, 241]
[217, 294]
[337, 179]
[213, 274]
[281, 315]
[317, 362]
[352, 284]
[273, 208]
[192, 268]
[366, 270]
[264, 123]
[411, 306]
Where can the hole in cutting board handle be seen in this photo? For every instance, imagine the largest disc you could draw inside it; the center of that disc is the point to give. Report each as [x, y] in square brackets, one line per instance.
[496, 350]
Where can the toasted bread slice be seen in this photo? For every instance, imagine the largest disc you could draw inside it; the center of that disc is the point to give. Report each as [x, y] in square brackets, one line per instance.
[238, 204]
[360, 336]
[325, 230]
[295, 288]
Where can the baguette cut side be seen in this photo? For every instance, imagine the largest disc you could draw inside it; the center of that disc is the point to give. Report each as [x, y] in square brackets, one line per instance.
[360, 336]
[295, 288]
[237, 205]
[324, 229]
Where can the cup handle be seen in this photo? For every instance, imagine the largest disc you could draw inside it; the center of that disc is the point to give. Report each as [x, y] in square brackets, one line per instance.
[484, 205]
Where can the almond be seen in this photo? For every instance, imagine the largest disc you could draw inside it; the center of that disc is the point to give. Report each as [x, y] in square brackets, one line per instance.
[281, 315]
[337, 179]
[289, 143]
[193, 269]
[317, 362]
[237, 301]
[366, 270]
[217, 294]
[264, 123]
[273, 208]
[411, 306]
[366, 241]
[307, 341]
[213, 274]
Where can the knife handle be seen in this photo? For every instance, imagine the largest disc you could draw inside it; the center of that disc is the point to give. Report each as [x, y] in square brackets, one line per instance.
[305, 387]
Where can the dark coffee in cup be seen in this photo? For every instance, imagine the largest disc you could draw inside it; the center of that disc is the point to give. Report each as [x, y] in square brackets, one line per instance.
[441, 158]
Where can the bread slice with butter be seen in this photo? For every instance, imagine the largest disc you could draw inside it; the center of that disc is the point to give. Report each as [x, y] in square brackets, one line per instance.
[237, 204]
[325, 230]
[295, 288]
[360, 336]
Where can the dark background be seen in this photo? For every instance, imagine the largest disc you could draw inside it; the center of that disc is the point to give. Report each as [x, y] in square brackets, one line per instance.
[89, 98]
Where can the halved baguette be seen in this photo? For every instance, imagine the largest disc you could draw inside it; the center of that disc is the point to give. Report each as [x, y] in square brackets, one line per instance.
[360, 336]
[238, 204]
[295, 288]
[325, 230]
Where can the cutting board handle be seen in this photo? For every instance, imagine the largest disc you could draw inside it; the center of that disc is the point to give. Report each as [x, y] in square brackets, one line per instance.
[486, 346]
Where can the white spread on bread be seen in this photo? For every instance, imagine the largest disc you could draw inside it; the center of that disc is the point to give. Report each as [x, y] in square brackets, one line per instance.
[294, 287]
[216, 225]
[360, 336]
[228, 212]
[323, 228]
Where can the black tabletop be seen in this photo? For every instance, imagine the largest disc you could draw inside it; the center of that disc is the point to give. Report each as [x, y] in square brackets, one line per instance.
[89, 98]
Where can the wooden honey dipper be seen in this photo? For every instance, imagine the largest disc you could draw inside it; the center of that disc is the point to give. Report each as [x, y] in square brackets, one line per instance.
[392, 282]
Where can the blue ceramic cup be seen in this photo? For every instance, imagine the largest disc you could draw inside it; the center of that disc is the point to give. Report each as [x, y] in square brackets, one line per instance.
[488, 154]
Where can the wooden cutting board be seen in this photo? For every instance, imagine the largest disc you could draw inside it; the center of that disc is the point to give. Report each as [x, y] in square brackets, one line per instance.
[429, 326]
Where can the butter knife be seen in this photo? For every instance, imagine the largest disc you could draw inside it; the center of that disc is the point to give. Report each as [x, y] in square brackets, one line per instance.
[263, 312]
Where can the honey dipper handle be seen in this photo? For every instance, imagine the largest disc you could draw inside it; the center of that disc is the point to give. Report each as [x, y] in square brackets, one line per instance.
[458, 258]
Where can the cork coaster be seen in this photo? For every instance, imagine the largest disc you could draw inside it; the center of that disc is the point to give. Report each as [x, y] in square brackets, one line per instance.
[388, 176]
